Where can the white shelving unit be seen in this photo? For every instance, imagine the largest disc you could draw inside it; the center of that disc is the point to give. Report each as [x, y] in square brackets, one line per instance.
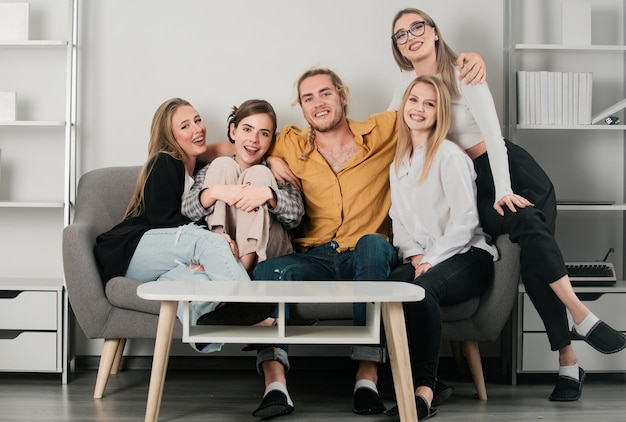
[585, 162]
[37, 187]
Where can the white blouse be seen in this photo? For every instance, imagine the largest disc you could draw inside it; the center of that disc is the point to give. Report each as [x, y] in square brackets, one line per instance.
[439, 216]
[474, 119]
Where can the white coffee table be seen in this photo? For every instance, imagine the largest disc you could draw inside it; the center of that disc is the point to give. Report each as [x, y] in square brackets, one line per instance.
[385, 296]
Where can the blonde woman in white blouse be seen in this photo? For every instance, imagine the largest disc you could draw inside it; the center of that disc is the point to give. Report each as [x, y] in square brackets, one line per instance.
[435, 226]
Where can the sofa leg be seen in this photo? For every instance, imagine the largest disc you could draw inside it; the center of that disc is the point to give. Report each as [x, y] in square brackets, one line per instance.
[118, 357]
[109, 350]
[472, 353]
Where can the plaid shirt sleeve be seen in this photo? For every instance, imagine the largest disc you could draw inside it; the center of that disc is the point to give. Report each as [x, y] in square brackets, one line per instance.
[191, 206]
[289, 206]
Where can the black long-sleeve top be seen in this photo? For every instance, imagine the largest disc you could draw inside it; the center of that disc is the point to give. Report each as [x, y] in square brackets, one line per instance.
[162, 209]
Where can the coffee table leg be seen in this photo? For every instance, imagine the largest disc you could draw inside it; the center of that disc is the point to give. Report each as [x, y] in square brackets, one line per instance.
[162, 344]
[395, 330]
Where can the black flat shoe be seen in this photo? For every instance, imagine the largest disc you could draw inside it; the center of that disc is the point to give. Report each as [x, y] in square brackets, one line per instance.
[568, 388]
[603, 338]
[273, 404]
[238, 314]
[442, 393]
[367, 402]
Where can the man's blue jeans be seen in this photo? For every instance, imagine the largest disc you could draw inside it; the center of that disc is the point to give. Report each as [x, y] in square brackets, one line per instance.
[372, 258]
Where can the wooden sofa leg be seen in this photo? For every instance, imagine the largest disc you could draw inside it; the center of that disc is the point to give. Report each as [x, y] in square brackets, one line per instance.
[118, 357]
[476, 368]
[109, 350]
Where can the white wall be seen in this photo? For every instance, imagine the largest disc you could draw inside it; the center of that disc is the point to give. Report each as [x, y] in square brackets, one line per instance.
[133, 55]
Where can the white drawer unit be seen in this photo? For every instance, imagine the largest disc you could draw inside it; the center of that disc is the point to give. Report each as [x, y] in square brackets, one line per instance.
[31, 325]
[533, 347]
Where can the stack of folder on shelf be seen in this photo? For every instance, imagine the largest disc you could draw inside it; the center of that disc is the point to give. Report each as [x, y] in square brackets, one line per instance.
[554, 98]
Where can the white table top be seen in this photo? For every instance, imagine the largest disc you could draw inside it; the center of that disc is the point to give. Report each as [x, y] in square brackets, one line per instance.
[282, 291]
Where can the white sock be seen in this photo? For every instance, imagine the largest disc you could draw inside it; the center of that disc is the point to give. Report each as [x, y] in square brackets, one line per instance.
[365, 383]
[569, 371]
[276, 385]
[586, 324]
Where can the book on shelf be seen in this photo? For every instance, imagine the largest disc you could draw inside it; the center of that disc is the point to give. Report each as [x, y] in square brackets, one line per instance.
[554, 98]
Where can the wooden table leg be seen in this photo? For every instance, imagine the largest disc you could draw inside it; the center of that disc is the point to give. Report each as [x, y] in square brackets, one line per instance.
[395, 330]
[162, 344]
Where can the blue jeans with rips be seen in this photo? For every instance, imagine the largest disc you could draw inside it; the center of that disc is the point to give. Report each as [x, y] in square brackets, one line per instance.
[372, 258]
[165, 254]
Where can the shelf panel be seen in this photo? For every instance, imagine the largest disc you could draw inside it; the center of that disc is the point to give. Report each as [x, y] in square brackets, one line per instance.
[588, 207]
[31, 204]
[570, 48]
[33, 123]
[572, 127]
[33, 43]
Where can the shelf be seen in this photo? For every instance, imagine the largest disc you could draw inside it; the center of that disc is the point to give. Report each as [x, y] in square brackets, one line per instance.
[31, 204]
[33, 43]
[572, 127]
[33, 123]
[570, 48]
[589, 207]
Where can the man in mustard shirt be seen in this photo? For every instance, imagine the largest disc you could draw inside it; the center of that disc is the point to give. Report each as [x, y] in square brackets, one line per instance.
[343, 169]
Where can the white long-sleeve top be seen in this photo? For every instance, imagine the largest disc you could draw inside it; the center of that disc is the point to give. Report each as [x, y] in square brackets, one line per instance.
[474, 119]
[439, 216]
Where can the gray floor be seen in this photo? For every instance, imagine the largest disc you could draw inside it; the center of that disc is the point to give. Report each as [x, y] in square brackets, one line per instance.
[231, 393]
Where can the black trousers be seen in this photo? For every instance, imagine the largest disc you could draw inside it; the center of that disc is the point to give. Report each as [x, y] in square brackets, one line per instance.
[455, 280]
[533, 229]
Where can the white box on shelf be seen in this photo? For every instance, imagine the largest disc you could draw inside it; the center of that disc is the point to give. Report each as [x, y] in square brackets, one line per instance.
[576, 22]
[14, 21]
[7, 105]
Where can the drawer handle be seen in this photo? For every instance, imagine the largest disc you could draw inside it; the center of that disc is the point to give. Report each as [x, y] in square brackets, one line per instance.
[10, 294]
[9, 334]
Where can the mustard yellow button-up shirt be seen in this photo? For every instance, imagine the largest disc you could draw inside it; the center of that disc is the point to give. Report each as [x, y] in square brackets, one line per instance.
[355, 201]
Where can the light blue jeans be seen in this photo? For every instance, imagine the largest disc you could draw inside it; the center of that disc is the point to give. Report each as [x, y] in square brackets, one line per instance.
[165, 254]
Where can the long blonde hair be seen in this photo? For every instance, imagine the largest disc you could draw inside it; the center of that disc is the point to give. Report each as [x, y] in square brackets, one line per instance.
[342, 89]
[446, 57]
[438, 132]
[161, 141]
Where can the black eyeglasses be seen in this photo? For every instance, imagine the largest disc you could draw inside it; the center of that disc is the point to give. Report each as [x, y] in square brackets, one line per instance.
[417, 28]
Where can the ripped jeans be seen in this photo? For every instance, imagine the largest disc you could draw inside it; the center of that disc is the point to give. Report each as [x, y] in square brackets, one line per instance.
[165, 254]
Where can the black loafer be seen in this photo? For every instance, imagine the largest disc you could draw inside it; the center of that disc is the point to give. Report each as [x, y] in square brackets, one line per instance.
[273, 404]
[603, 338]
[367, 402]
[568, 388]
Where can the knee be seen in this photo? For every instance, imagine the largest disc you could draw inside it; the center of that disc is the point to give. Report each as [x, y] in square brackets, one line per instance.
[259, 175]
[526, 219]
[222, 169]
[375, 246]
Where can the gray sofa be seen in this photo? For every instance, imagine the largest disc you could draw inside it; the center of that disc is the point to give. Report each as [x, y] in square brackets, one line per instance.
[117, 313]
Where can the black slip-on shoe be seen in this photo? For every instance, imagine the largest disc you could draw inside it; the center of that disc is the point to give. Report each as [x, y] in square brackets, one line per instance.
[238, 314]
[603, 338]
[367, 402]
[274, 404]
[568, 388]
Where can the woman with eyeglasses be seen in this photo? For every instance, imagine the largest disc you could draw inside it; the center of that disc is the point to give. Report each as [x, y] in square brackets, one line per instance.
[515, 196]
